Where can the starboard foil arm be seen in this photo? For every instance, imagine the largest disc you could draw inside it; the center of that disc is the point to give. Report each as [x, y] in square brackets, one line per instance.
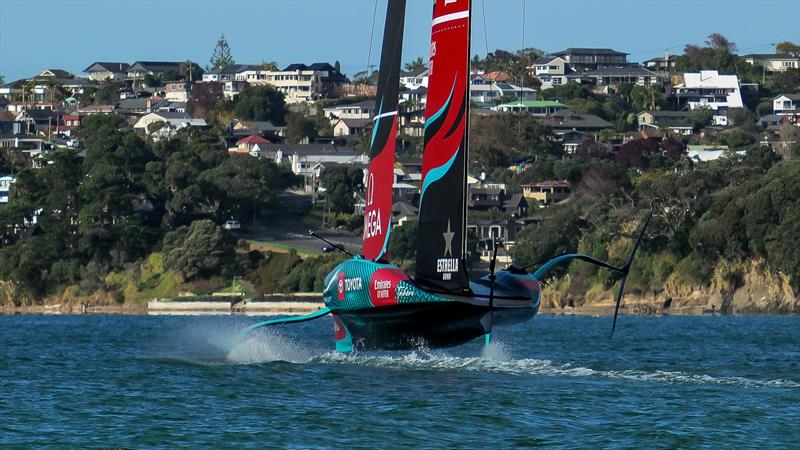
[624, 270]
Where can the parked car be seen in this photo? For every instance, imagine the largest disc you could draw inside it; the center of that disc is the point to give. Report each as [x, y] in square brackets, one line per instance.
[232, 225]
[327, 249]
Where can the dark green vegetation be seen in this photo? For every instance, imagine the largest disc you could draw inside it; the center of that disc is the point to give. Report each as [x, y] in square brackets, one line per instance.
[126, 199]
[710, 221]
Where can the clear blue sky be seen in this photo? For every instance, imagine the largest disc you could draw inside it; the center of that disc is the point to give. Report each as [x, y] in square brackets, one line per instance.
[71, 34]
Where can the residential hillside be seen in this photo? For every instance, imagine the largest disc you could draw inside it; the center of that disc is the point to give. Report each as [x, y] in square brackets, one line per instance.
[158, 179]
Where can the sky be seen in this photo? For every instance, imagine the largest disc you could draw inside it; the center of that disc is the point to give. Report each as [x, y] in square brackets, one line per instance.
[72, 34]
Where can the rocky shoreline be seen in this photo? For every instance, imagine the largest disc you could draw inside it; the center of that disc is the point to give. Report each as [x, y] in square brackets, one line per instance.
[640, 306]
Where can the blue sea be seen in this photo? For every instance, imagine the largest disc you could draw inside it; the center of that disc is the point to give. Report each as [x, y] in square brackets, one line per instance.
[554, 382]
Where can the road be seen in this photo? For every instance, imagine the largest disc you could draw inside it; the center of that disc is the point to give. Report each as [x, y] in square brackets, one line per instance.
[284, 226]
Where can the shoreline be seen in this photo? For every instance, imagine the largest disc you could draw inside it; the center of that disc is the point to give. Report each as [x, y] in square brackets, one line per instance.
[296, 305]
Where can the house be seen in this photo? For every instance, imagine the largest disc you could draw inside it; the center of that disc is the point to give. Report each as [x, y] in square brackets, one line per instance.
[628, 74]
[484, 199]
[775, 62]
[309, 160]
[773, 122]
[586, 59]
[301, 83]
[496, 77]
[350, 127]
[140, 69]
[53, 74]
[35, 120]
[664, 63]
[248, 127]
[516, 206]
[416, 97]
[403, 211]
[96, 109]
[702, 153]
[547, 193]
[484, 91]
[9, 123]
[552, 71]
[572, 140]
[6, 182]
[709, 89]
[135, 106]
[177, 92]
[539, 108]
[100, 71]
[251, 145]
[360, 110]
[676, 121]
[412, 122]
[565, 119]
[787, 105]
[232, 72]
[414, 78]
[174, 119]
[489, 231]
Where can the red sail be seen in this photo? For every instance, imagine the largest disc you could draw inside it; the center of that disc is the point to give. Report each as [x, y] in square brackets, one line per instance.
[442, 211]
[378, 189]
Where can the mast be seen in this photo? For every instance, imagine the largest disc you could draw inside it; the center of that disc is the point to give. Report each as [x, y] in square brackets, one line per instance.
[380, 176]
[441, 241]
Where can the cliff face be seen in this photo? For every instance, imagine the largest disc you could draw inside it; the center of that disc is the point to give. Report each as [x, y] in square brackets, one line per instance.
[737, 288]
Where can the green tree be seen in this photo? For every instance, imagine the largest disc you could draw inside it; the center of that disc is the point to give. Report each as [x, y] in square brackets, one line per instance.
[221, 56]
[415, 64]
[403, 243]
[788, 47]
[190, 71]
[200, 250]
[340, 182]
[261, 103]
[299, 127]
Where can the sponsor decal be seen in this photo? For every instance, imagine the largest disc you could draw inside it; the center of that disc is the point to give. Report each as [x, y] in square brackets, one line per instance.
[383, 286]
[447, 266]
[352, 284]
[341, 286]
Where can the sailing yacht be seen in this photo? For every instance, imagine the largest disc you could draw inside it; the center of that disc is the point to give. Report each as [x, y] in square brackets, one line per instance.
[375, 304]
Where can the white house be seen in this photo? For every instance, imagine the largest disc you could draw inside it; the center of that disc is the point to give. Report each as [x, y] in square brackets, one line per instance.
[709, 89]
[786, 104]
[5, 188]
[415, 78]
[534, 107]
[360, 110]
[775, 62]
[484, 91]
[175, 119]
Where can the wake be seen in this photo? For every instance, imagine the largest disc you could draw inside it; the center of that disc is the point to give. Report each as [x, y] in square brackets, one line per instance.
[267, 347]
[495, 358]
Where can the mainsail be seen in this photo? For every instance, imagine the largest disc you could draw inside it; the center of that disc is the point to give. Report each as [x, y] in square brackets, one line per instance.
[441, 241]
[378, 190]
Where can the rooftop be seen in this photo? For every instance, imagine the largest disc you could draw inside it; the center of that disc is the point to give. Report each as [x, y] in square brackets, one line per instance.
[588, 51]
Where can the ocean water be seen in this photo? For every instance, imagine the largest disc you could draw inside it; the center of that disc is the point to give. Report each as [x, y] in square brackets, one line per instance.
[554, 382]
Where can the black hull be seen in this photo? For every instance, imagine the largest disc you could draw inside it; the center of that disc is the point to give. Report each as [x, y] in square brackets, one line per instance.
[409, 326]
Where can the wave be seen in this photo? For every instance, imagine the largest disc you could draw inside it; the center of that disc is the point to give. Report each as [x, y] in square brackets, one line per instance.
[423, 360]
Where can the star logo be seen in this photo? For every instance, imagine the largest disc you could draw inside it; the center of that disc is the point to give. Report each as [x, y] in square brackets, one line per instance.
[448, 241]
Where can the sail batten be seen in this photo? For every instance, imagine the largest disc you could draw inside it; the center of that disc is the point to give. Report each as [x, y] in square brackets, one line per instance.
[441, 240]
[380, 176]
